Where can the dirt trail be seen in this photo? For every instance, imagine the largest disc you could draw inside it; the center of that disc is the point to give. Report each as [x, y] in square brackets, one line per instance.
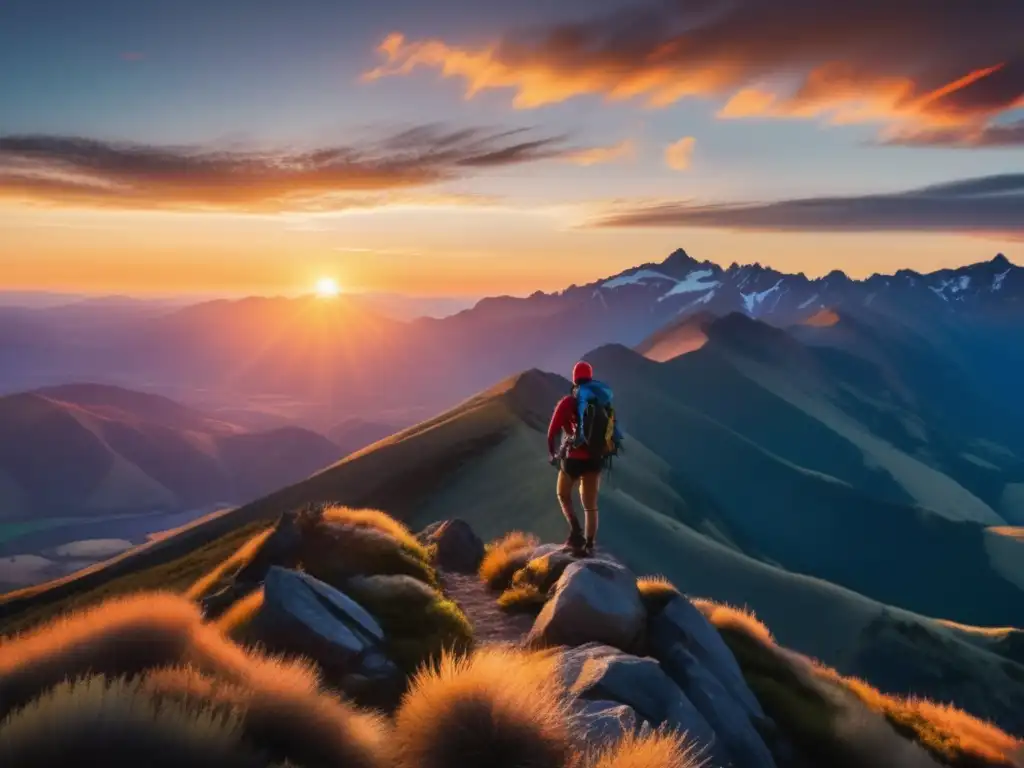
[491, 625]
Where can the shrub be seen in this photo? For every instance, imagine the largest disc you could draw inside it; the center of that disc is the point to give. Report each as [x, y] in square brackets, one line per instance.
[504, 557]
[419, 623]
[336, 551]
[652, 750]
[656, 592]
[496, 709]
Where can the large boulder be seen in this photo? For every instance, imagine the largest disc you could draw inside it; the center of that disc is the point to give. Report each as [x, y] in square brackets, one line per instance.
[593, 601]
[597, 725]
[459, 549]
[680, 625]
[728, 717]
[303, 615]
[595, 672]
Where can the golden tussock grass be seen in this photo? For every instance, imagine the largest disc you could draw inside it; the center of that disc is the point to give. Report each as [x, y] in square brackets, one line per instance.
[234, 621]
[157, 644]
[497, 709]
[542, 572]
[116, 723]
[504, 557]
[287, 716]
[522, 598]
[842, 718]
[653, 750]
[953, 736]
[726, 616]
[240, 558]
[381, 521]
[656, 592]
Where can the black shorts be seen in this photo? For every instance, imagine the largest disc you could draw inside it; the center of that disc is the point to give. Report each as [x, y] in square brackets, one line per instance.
[577, 468]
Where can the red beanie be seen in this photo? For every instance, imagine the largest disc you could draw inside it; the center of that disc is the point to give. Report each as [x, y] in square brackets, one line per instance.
[582, 372]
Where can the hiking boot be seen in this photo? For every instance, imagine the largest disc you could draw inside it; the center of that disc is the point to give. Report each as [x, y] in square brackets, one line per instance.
[588, 549]
[575, 543]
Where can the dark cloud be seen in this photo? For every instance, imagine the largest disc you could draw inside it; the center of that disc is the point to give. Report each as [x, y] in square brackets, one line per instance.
[64, 170]
[990, 204]
[995, 135]
[934, 63]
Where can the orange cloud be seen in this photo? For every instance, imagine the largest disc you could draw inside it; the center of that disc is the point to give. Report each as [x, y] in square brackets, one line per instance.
[873, 60]
[624, 150]
[78, 172]
[679, 153]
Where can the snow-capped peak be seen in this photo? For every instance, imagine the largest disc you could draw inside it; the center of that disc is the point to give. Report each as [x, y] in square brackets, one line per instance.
[640, 276]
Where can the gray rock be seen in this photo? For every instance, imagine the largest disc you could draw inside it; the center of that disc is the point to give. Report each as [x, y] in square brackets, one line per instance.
[302, 614]
[681, 624]
[724, 713]
[600, 673]
[459, 549]
[600, 724]
[593, 601]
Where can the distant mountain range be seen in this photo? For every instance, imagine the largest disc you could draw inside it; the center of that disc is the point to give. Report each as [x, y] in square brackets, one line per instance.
[83, 450]
[327, 359]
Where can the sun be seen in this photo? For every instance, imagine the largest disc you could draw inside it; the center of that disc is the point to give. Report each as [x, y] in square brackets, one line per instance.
[327, 288]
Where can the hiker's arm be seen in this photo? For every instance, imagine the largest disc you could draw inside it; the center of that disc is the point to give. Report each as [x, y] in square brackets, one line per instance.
[558, 421]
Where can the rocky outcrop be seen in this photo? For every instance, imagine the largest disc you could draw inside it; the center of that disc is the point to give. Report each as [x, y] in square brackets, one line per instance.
[459, 549]
[301, 614]
[625, 668]
[593, 601]
[598, 672]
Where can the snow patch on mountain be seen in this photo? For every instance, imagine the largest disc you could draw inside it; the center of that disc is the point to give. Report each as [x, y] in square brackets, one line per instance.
[806, 304]
[693, 283]
[997, 281]
[752, 301]
[641, 276]
[705, 299]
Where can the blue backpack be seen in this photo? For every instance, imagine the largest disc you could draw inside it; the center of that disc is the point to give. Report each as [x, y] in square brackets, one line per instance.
[597, 426]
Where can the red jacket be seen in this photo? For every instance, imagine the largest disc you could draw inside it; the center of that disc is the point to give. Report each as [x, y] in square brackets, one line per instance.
[564, 420]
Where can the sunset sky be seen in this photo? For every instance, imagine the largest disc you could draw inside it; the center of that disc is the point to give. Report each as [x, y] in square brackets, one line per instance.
[476, 147]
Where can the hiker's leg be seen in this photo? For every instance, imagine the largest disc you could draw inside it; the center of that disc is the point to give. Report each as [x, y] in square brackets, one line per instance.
[564, 489]
[590, 485]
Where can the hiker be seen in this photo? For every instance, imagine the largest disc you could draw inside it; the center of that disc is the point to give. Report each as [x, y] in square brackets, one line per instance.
[584, 452]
